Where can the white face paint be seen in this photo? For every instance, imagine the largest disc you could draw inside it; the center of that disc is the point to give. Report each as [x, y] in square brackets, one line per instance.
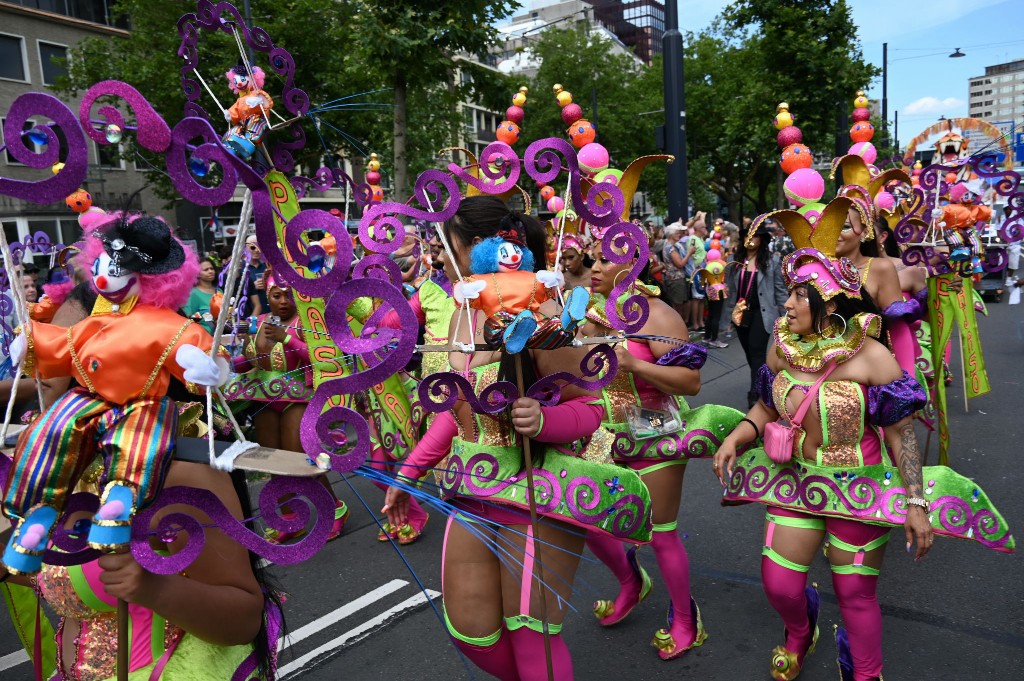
[510, 257]
[113, 288]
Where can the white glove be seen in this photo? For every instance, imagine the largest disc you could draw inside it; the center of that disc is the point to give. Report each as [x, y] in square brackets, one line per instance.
[200, 368]
[254, 100]
[227, 115]
[936, 213]
[551, 279]
[466, 290]
[18, 348]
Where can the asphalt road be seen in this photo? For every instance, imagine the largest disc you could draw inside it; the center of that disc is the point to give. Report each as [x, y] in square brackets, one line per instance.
[357, 612]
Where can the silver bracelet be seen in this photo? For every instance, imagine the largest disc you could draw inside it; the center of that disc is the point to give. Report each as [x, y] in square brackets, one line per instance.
[918, 501]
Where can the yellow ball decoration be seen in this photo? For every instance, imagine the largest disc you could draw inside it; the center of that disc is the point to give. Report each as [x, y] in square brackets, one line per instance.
[374, 165]
[519, 98]
[564, 97]
[783, 118]
[861, 102]
[57, 167]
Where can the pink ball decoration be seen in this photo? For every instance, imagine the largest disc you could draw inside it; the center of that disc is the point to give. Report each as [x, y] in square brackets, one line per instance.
[804, 186]
[866, 150]
[716, 235]
[862, 114]
[790, 135]
[556, 203]
[372, 177]
[714, 254]
[571, 113]
[885, 201]
[593, 158]
[515, 114]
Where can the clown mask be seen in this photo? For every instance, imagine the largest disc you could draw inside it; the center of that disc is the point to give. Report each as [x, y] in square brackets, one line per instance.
[111, 282]
[510, 257]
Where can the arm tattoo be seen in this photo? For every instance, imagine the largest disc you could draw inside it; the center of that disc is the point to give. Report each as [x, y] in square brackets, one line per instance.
[910, 461]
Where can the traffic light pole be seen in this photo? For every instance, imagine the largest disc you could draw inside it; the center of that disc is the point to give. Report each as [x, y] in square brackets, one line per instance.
[675, 114]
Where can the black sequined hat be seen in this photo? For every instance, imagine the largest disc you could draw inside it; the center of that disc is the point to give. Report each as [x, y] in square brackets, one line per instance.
[145, 246]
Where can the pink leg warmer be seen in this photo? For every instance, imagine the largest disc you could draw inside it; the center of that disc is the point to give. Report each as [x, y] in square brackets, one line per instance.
[612, 554]
[786, 591]
[863, 618]
[496, 659]
[531, 662]
[675, 571]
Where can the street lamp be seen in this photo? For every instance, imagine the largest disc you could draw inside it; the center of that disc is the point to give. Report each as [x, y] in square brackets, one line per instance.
[885, 86]
[957, 54]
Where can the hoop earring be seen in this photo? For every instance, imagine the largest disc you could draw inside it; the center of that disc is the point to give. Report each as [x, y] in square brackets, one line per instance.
[838, 335]
[615, 279]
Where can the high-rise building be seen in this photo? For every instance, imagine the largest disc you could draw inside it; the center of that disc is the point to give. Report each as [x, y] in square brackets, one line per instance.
[998, 96]
[639, 24]
[34, 36]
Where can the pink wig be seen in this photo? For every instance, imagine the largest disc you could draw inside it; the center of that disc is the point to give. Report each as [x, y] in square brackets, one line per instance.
[957, 191]
[170, 290]
[58, 291]
[258, 78]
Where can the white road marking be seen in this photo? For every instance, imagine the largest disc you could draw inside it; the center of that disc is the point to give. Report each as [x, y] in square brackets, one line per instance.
[357, 634]
[13, 659]
[341, 613]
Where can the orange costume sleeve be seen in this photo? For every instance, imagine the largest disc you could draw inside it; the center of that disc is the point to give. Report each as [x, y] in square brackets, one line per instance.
[44, 310]
[512, 292]
[240, 110]
[119, 357]
[956, 216]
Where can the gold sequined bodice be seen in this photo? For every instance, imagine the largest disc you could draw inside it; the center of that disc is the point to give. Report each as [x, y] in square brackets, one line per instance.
[840, 408]
[482, 428]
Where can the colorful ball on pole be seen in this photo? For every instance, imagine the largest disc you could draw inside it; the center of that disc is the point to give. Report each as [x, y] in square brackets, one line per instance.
[714, 254]
[376, 194]
[861, 102]
[812, 211]
[515, 114]
[546, 192]
[593, 158]
[609, 175]
[714, 265]
[794, 157]
[885, 201]
[373, 177]
[519, 98]
[866, 150]
[582, 133]
[508, 132]
[862, 115]
[862, 131]
[79, 201]
[555, 204]
[564, 97]
[374, 164]
[803, 186]
[783, 118]
[790, 135]
[571, 113]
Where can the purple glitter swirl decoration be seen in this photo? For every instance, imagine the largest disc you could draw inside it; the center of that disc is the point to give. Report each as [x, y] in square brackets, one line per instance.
[211, 151]
[597, 370]
[502, 177]
[604, 203]
[225, 17]
[151, 131]
[449, 385]
[53, 187]
[308, 495]
[325, 178]
[325, 282]
[622, 244]
[70, 547]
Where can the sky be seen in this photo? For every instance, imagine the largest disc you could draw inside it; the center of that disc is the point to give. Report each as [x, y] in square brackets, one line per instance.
[924, 83]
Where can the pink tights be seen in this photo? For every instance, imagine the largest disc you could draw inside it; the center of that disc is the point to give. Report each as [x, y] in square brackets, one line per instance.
[675, 570]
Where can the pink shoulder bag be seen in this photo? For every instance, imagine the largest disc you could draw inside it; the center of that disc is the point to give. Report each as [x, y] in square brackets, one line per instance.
[780, 437]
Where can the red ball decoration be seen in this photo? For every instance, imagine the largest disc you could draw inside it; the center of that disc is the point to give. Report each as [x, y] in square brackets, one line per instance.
[795, 157]
[571, 113]
[862, 132]
[79, 201]
[373, 177]
[862, 115]
[508, 132]
[581, 134]
[515, 114]
[547, 192]
[789, 135]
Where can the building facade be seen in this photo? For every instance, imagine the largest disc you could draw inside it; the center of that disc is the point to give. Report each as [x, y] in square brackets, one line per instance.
[998, 95]
[34, 35]
[639, 24]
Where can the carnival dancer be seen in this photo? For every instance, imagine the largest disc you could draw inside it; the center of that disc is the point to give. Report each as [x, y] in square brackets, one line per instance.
[852, 437]
[201, 626]
[274, 371]
[756, 296]
[142, 273]
[499, 571]
[656, 433]
[574, 262]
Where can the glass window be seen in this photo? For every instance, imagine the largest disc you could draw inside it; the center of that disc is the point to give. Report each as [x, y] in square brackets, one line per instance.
[52, 61]
[12, 58]
[109, 156]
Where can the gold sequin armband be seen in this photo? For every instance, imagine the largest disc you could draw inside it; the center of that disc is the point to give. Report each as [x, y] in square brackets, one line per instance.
[28, 364]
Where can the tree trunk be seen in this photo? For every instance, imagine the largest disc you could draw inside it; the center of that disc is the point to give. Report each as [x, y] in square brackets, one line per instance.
[401, 161]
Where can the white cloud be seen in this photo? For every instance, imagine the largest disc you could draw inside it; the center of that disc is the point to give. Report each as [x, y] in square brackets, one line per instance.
[932, 105]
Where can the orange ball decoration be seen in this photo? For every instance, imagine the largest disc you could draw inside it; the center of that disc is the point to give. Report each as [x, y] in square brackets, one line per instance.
[547, 192]
[795, 157]
[582, 133]
[950, 178]
[508, 132]
[79, 201]
[862, 131]
[376, 194]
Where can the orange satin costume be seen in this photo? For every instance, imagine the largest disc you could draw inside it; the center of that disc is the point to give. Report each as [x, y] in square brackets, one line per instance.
[961, 216]
[510, 292]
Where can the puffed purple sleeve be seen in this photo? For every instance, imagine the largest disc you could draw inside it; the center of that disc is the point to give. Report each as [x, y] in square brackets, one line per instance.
[689, 355]
[907, 310]
[893, 402]
[763, 385]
